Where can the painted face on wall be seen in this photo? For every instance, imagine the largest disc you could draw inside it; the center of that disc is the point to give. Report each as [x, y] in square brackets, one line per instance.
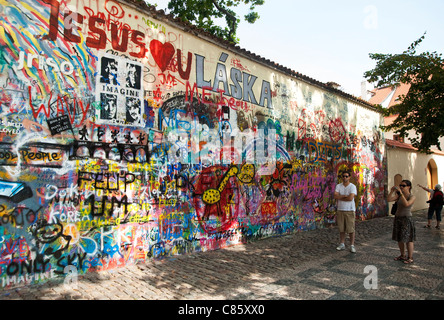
[109, 106]
[133, 110]
[47, 233]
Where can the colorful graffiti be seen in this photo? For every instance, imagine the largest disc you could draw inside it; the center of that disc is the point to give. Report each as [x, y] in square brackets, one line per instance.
[122, 140]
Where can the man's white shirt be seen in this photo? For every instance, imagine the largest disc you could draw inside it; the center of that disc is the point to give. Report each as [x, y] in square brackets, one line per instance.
[346, 191]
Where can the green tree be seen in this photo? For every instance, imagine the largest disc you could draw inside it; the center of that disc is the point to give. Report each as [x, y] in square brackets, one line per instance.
[202, 14]
[422, 108]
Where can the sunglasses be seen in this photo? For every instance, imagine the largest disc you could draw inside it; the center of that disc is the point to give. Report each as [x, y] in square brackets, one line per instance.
[345, 176]
[403, 185]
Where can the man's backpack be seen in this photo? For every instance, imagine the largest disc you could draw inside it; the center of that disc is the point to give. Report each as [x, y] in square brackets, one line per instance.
[438, 199]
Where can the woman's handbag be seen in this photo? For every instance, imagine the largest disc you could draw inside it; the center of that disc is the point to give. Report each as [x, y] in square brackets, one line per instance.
[394, 208]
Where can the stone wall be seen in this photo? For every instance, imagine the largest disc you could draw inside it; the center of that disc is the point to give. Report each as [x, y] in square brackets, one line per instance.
[126, 136]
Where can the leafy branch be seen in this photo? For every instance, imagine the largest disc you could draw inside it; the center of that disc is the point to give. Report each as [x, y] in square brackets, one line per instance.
[202, 14]
[421, 109]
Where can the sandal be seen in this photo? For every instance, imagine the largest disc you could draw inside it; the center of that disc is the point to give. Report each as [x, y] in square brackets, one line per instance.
[408, 261]
[437, 227]
[427, 226]
[400, 258]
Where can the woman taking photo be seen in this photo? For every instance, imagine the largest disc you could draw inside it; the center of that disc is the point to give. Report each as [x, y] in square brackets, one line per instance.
[403, 226]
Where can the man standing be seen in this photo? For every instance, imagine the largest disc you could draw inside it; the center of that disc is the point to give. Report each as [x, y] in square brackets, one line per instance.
[345, 195]
[435, 205]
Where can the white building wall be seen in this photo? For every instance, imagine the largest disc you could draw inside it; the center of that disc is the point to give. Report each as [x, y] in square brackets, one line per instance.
[412, 165]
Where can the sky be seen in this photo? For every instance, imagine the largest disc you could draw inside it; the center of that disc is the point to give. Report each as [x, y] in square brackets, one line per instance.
[331, 40]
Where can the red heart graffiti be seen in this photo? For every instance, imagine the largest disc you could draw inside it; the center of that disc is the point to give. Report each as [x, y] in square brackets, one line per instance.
[162, 53]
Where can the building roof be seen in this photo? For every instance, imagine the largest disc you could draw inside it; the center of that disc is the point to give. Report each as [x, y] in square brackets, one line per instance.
[188, 27]
[389, 96]
[396, 144]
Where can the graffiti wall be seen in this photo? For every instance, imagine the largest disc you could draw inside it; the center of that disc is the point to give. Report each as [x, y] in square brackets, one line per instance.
[125, 138]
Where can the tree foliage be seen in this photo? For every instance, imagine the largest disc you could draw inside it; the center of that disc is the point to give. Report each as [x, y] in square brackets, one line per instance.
[202, 13]
[422, 108]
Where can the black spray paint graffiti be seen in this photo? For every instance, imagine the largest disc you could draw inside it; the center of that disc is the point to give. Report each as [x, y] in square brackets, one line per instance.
[49, 233]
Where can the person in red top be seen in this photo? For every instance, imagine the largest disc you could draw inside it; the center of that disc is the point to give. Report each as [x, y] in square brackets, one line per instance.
[435, 205]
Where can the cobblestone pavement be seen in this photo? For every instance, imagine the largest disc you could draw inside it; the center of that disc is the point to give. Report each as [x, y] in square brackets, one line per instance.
[303, 266]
